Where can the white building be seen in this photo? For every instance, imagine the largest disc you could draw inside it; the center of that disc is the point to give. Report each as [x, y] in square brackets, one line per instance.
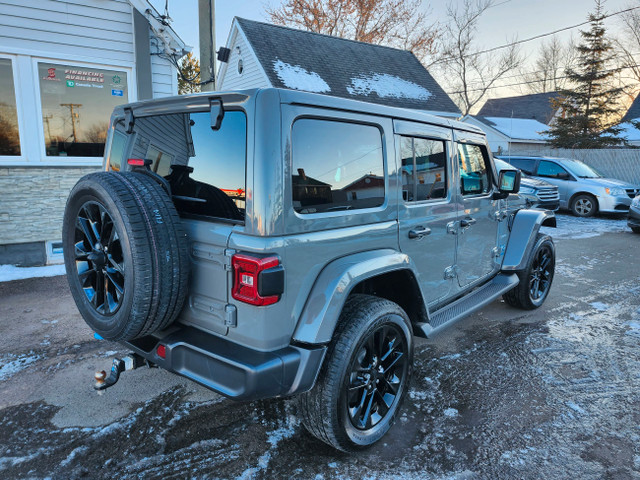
[511, 135]
[64, 65]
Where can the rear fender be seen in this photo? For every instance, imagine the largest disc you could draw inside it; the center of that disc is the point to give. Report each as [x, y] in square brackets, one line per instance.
[524, 232]
[334, 284]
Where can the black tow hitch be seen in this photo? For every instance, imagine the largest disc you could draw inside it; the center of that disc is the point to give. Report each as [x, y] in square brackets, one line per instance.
[130, 362]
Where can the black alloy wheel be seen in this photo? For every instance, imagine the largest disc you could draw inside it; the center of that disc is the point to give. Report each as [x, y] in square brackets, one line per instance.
[378, 369]
[540, 275]
[99, 258]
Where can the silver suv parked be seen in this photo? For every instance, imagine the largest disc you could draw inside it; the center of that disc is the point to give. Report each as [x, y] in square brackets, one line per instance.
[583, 190]
[266, 243]
[536, 193]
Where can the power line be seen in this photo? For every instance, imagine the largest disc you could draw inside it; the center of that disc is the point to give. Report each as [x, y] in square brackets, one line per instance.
[535, 37]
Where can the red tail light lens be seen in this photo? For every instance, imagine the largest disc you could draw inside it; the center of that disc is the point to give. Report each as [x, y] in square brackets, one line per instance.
[161, 351]
[136, 162]
[247, 272]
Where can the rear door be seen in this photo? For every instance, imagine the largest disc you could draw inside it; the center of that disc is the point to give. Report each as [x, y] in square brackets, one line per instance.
[206, 171]
[477, 227]
[550, 172]
[426, 208]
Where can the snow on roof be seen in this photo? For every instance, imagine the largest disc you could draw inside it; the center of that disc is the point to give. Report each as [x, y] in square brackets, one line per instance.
[518, 128]
[629, 132]
[298, 78]
[386, 86]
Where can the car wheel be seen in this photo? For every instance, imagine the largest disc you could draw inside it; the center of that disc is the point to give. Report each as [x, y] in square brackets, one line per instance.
[365, 378]
[536, 278]
[584, 205]
[126, 254]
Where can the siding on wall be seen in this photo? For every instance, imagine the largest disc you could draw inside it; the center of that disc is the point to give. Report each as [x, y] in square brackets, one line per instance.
[101, 30]
[252, 75]
[33, 201]
[163, 76]
[167, 133]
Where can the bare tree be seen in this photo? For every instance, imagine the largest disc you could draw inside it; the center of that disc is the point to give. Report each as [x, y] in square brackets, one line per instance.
[395, 23]
[627, 47]
[471, 75]
[97, 133]
[547, 73]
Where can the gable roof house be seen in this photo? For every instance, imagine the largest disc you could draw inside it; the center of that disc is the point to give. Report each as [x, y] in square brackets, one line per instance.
[629, 130]
[264, 55]
[64, 65]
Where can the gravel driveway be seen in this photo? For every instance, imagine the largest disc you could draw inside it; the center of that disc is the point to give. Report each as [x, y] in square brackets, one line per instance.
[552, 393]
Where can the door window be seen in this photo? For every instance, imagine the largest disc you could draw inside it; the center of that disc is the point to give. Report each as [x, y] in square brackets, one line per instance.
[474, 171]
[551, 170]
[424, 169]
[527, 165]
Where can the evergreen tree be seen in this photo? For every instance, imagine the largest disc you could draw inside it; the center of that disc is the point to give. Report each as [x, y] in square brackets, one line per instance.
[188, 75]
[590, 106]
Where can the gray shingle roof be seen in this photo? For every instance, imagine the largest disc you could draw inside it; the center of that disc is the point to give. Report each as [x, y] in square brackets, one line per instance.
[345, 68]
[536, 106]
[634, 111]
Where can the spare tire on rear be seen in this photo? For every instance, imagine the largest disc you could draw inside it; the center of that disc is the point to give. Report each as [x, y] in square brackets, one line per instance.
[126, 254]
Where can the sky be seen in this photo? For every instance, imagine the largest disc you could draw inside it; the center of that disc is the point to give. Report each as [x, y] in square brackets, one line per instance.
[506, 21]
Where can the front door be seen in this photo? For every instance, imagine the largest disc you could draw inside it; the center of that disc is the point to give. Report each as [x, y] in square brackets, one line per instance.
[556, 175]
[477, 226]
[427, 206]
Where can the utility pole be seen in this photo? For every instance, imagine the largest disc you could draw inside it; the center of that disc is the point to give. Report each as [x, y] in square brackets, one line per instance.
[47, 118]
[74, 115]
[207, 34]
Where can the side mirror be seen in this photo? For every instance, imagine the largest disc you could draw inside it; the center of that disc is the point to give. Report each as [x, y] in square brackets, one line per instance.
[217, 113]
[508, 182]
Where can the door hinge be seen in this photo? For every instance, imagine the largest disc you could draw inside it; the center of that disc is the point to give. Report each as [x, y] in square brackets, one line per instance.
[228, 253]
[497, 251]
[451, 272]
[230, 316]
[500, 215]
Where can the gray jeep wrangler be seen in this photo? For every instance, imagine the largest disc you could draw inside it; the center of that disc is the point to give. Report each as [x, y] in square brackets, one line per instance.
[267, 243]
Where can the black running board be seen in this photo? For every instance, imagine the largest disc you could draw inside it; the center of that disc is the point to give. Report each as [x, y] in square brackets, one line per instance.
[451, 313]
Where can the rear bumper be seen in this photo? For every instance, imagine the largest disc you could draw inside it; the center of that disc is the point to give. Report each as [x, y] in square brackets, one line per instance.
[230, 369]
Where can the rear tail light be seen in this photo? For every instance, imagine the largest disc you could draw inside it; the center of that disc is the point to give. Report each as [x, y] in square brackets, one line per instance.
[257, 281]
[161, 351]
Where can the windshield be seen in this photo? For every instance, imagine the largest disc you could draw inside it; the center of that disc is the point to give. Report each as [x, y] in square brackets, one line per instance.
[501, 165]
[581, 170]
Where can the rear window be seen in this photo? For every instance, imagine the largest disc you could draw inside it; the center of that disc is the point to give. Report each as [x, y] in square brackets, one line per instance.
[205, 168]
[336, 166]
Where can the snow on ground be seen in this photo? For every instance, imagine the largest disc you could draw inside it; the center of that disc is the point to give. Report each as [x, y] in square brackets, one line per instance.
[12, 364]
[296, 77]
[387, 86]
[575, 227]
[11, 272]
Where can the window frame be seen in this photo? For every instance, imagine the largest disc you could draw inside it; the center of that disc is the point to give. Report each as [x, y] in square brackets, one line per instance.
[17, 92]
[491, 176]
[73, 161]
[342, 212]
[447, 171]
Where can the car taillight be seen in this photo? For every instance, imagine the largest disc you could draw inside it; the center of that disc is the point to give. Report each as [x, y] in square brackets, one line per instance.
[136, 162]
[258, 281]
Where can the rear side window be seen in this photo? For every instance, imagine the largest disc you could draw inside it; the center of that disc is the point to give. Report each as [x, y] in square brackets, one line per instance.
[424, 169]
[205, 168]
[336, 166]
[474, 171]
[527, 165]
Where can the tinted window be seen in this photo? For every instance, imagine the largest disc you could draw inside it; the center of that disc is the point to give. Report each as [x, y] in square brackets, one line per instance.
[9, 137]
[474, 172]
[205, 168]
[424, 169]
[336, 166]
[76, 105]
[550, 169]
[527, 165]
[116, 154]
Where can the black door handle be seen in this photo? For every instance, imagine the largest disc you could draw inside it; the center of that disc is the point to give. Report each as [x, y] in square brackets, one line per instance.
[467, 222]
[419, 232]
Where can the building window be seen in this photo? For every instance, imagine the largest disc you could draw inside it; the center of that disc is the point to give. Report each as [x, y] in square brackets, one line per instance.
[9, 134]
[240, 67]
[76, 105]
[336, 166]
[424, 169]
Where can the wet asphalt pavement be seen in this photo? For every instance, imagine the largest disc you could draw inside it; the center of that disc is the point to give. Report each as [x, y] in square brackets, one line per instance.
[553, 393]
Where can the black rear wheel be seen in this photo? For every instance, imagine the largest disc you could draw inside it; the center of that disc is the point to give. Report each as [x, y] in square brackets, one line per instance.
[584, 205]
[365, 378]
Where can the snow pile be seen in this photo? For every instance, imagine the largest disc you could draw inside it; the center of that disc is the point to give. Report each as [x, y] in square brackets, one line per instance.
[11, 272]
[296, 77]
[575, 227]
[12, 364]
[388, 86]
[521, 128]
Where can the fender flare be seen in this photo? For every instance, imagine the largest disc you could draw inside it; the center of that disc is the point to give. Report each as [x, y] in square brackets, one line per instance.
[324, 304]
[522, 239]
